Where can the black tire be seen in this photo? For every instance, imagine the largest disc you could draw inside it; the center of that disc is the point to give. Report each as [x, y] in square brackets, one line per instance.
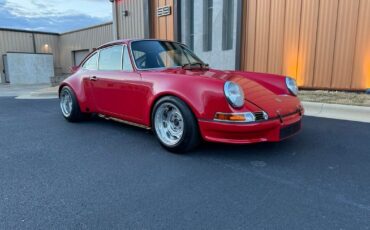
[75, 114]
[190, 137]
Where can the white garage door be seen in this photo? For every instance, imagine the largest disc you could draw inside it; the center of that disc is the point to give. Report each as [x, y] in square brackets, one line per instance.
[79, 55]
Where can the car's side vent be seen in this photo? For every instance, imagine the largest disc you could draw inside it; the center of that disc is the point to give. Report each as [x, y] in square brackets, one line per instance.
[260, 116]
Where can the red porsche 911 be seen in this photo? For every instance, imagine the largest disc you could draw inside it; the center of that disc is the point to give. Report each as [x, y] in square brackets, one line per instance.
[164, 86]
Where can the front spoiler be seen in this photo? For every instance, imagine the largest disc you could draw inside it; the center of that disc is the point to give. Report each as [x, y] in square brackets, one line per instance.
[246, 133]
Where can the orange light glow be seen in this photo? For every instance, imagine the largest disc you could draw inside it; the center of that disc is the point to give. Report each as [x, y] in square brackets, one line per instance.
[367, 71]
[302, 66]
[290, 66]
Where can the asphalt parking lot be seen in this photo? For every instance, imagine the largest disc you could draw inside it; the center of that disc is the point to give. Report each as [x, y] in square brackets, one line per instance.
[104, 175]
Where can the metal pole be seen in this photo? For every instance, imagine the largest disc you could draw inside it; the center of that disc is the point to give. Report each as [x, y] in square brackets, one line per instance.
[115, 23]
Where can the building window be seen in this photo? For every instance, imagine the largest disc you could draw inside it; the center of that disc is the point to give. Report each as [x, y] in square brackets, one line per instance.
[227, 24]
[207, 24]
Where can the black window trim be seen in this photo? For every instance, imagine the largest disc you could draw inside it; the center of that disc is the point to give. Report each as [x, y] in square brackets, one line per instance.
[129, 56]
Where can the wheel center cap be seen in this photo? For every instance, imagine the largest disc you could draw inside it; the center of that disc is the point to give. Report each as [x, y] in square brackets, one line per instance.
[176, 122]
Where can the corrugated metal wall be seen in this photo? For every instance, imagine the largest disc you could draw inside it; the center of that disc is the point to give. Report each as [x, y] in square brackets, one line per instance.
[321, 43]
[47, 43]
[132, 25]
[80, 40]
[15, 41]
[61, 46]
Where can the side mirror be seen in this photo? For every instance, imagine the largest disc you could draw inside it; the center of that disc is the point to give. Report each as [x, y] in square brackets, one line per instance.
[74, 69]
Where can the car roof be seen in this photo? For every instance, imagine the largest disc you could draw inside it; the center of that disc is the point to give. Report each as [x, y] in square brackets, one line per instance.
[127, 41]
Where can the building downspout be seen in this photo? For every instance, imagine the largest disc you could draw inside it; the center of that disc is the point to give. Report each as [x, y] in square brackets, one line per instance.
[33, 42]
[115, 20]
[147, 21]
[177, 20]
[239, 36]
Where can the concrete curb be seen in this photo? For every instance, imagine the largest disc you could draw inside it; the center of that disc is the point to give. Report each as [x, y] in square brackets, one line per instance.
[46, 93]
[30, 97]
[335, 111]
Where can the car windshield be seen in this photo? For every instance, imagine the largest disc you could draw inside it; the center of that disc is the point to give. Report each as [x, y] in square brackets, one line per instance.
[152, 54]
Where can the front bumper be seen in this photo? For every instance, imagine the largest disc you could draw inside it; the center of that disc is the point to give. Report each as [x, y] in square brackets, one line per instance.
[272, 130]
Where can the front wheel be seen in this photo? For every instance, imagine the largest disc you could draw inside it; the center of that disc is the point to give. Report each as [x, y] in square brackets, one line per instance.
[175, 125]
[69, 105]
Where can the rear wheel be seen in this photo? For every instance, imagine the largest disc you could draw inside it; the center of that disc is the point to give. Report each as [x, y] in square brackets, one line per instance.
[69, 105]
[175, 125]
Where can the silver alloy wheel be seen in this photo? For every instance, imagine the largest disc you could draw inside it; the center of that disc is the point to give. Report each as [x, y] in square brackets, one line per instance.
[169, 124]
[66, 103]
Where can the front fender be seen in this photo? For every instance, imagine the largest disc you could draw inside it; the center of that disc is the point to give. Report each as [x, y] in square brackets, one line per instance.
[204, 97]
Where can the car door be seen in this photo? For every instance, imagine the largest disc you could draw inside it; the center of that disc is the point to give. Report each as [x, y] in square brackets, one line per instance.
[116, 87]
[89, 68]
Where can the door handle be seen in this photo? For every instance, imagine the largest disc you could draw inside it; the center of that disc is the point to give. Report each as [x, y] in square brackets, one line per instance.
[93, 78]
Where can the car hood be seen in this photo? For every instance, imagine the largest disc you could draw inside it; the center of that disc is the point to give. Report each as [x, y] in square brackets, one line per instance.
[256, 92]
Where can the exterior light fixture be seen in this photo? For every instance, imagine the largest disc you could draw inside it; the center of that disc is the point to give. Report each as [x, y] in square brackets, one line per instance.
[46, 48]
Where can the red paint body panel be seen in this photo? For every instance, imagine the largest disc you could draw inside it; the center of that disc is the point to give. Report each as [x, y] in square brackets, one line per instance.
[131, 96]
[246, 133]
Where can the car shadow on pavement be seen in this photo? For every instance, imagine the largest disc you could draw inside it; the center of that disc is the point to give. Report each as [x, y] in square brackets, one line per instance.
[289, 146]
[265, 149]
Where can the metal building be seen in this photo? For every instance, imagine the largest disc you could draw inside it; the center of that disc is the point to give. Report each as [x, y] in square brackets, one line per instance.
[68, 49]
[324, 44]
[75, 45]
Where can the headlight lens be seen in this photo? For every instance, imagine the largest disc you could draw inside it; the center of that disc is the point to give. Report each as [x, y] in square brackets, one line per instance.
[234, 94]
[291, 84]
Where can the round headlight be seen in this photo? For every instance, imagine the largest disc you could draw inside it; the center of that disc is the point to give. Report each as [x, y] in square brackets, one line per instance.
[291, 84]
[234, 94]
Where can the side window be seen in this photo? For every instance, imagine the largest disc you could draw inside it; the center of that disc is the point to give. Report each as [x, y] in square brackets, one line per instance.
[110, 58]
[91, 63]
[126, 60]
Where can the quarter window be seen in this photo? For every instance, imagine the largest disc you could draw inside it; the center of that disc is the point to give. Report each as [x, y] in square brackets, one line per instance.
[111, 58]
[91, 63]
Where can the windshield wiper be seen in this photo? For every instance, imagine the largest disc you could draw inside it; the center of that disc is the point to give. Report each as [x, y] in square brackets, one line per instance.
[193, 64]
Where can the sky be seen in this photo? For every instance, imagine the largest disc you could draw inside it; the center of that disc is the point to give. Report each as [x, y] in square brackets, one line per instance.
[53, 15]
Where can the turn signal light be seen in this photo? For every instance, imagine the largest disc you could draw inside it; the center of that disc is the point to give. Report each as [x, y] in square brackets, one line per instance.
[235, 117]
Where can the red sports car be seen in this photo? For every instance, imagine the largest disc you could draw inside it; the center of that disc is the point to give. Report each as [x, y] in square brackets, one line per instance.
[164, 86]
